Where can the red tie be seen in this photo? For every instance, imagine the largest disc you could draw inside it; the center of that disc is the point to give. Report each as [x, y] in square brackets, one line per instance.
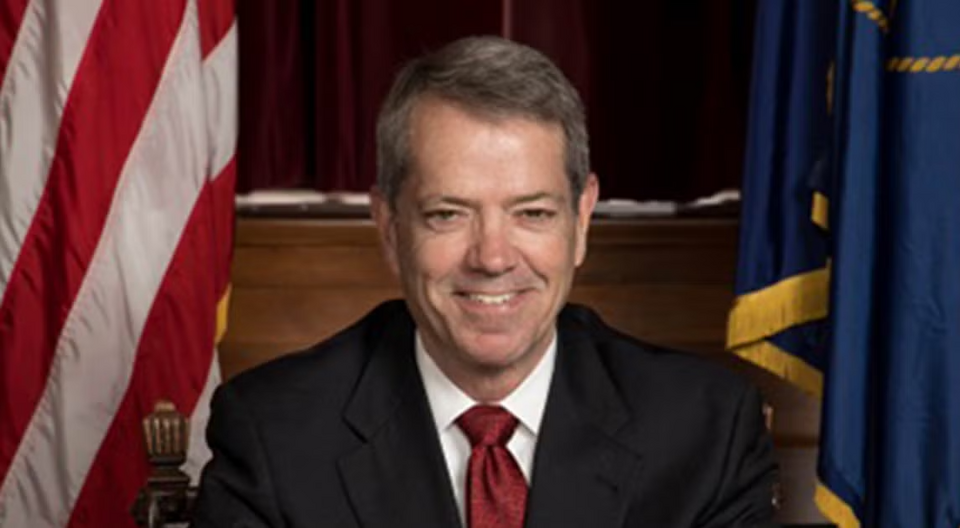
[496, 489]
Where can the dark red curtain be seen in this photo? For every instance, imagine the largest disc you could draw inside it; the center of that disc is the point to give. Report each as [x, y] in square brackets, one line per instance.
[665, 84]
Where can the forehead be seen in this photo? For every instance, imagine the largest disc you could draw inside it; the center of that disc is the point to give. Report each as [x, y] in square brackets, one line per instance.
[452, 146]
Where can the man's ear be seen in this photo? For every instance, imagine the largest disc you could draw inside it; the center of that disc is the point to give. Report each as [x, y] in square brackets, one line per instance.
[383, 216]
[586, 203]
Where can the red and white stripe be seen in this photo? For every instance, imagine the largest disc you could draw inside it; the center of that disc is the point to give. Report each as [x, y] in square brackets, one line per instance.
[117, 137]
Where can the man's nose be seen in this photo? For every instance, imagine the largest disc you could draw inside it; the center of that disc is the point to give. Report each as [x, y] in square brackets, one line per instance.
[492, 251]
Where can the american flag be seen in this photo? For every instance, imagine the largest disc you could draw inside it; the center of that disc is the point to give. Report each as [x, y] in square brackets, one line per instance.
[118, 124]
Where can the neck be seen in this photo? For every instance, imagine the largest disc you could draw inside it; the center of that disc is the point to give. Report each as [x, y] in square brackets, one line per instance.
[487, 383]
[488, 389]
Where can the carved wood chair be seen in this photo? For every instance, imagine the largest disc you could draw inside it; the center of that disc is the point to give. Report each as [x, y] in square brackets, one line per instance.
[167, 497]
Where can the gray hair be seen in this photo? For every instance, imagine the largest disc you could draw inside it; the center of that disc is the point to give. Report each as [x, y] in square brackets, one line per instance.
[491, 76]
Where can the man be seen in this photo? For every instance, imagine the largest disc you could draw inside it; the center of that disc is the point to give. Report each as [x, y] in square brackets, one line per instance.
[483, 400]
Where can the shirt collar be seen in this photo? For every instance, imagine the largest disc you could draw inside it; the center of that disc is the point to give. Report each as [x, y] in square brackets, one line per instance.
[448, 402]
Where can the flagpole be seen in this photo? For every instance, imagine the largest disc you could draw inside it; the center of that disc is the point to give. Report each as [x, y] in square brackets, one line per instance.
[506, 19]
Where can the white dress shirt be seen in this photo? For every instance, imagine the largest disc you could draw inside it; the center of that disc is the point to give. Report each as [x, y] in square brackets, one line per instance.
[448, 402]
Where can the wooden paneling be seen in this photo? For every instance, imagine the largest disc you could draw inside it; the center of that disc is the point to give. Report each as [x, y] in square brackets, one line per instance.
[667, 281]
[298, 281]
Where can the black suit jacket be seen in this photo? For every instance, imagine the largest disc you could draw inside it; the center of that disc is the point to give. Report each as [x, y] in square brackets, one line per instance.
[342, 435]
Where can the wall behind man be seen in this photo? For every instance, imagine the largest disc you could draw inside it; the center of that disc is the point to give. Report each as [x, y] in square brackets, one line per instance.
[665, 84]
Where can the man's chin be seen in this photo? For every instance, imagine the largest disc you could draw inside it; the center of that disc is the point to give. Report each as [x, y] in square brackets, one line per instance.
[494, 351]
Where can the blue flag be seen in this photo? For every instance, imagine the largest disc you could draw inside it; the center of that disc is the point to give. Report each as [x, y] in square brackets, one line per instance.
[882, 200]
[782, 278]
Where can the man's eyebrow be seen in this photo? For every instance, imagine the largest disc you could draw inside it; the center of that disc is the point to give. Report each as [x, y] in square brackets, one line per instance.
[441, 199]
[535, 197]
[466, 202]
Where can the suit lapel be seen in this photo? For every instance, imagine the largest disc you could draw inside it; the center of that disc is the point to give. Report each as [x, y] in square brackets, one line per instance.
[398, 477]
[583, 476]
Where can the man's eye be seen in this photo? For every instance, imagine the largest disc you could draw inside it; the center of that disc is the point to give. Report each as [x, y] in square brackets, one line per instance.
[538, 214]
[441, 215]
[443, 219]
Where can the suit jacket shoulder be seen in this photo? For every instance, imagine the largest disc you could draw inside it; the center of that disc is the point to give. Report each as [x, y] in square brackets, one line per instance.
[287, 435]
[649, 376]
[690, 431]
[331, 365]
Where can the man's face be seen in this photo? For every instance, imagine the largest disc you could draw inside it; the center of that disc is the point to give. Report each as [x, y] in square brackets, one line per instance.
[484, 238]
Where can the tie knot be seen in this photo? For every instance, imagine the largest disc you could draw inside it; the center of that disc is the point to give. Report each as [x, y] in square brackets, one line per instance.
[487, 425]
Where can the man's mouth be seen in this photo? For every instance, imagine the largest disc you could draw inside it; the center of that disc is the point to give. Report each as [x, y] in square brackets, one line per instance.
[490, 299]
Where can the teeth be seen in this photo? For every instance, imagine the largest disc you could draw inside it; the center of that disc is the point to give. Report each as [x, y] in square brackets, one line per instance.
[490, 299]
